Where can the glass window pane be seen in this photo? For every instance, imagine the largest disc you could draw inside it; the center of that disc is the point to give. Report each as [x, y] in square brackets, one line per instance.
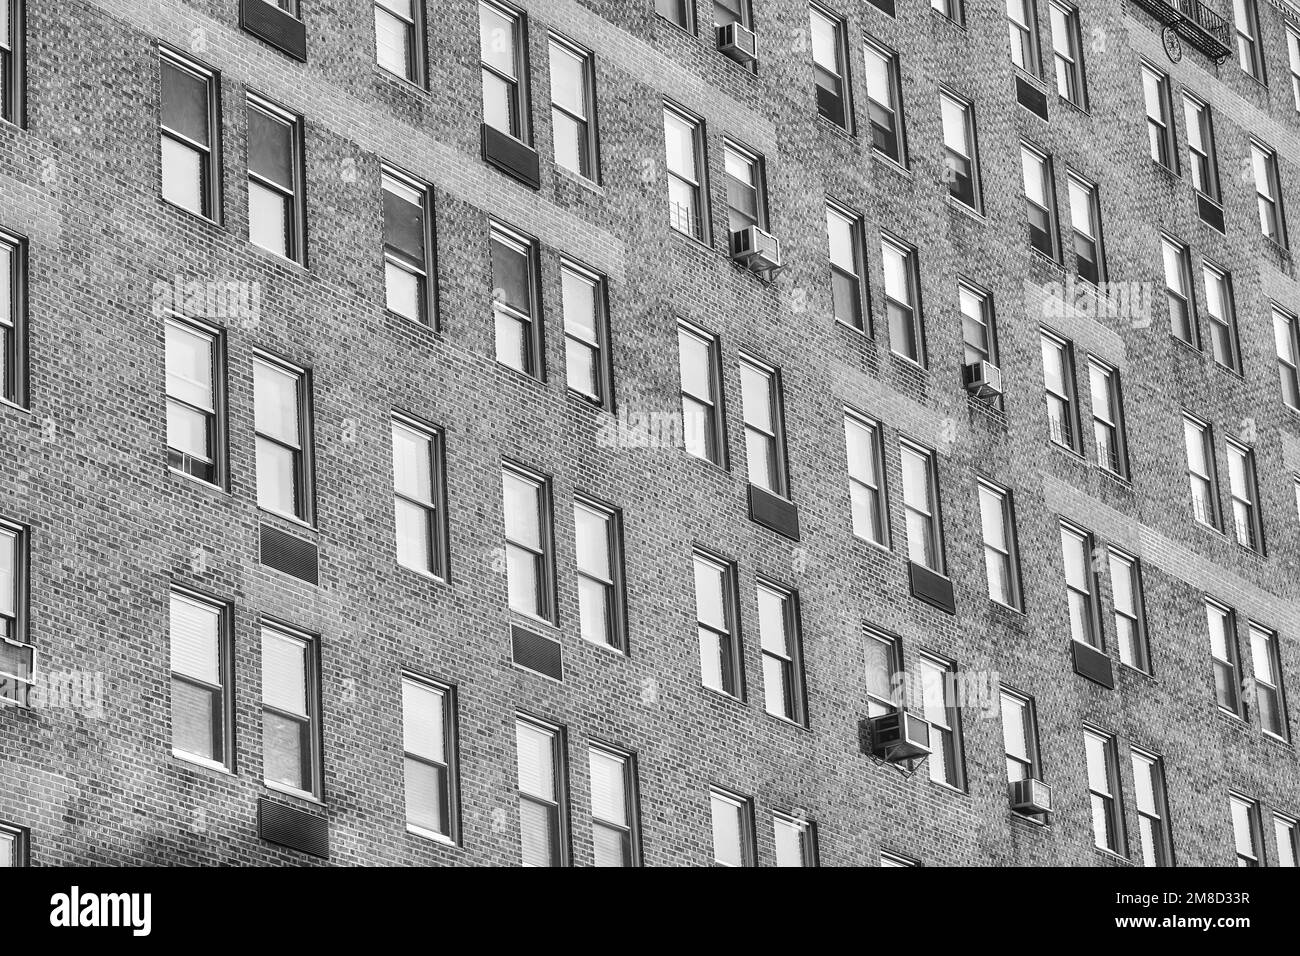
[185, 103]
[284, 672]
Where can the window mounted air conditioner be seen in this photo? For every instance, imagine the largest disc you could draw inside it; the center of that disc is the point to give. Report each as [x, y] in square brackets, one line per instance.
[755, 248]
[982, 379]
[1030, 796]
[899, 736]
[738, 43]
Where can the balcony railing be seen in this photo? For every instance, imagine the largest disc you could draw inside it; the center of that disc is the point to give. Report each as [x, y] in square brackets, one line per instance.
[1194, 22]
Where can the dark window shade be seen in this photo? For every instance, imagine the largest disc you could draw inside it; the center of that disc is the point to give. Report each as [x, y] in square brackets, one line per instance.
[270, 148]
[404, 226]
[185, 103]
[510, 276]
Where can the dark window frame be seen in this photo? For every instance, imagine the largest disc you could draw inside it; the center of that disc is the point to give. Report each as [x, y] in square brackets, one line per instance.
[211, 165]
[313, 694]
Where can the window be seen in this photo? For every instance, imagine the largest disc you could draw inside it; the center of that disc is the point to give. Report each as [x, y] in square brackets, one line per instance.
[428, 725]
[701, 394]
[586, 328]
[539, 748]
[1244, 491]
[1178, 290]
[573, 100]
[979, 336]
[1223, 317]
[1020, 737]
[188, 133]
[1268, 681]
[1268, 192]
[1040, 200]
[613, 807]
[516, 305]
[1067, 53]
[939, 695]
[864, 449]
[1022, 21]
[796, 840]
[1293, 60]
[1130, 616]
[760, 388]
[417, 490]
[844, 234]
[275, 192]
[13, 846]
[1001, 561]
[1201, 473]
[597, 532]
[902, 300]
[715, 615]
[1160, 125]
[778, 625]
[1246, 19]
[1286, 335]
[1081, 586]
[733, 829]
[884, 103]
[921, 507]
[290, 710]
[894, 860]
[884, 657]
[1152, 808]
[12, 314]
[399, 38]
[406, 246]
[1287, 832]
[11, 61]
[746, 199]
[1200, 147]
[680, 12]
[1103, 787]
[733, 11]
[960, 159]
[950, 9]
[1107, 417]
[1085, 221]
[1246, 830]
[530, 552]
[201, 670]
[1062, 401]
[502, 52]
[195, 439]
[829, 72]
[282, 422]
[1222, 622]
[15, 653]
[684, 138]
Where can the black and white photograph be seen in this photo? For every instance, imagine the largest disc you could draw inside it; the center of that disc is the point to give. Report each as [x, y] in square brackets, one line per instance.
[496, 434]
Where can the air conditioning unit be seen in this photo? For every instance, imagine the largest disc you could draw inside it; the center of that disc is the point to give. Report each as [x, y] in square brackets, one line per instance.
[1030, 796]
[898, 736]
[755, 248]
[982, 379]
[738, 43]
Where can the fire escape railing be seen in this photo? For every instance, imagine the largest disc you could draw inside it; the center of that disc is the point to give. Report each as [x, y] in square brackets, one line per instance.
[1194, 22]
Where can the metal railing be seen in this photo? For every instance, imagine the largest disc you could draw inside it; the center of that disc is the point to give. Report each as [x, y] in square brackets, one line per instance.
[1195, 22]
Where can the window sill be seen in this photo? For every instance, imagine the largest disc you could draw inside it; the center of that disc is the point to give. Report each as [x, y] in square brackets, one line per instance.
[433, 837]
[275, 257]
[722, 695]
[190, 213]
[1236, 719]
[211, 486]
[874, 545]
[689, 31]
[299, 522]
[202, 763]
[1081, 110]
[428, 576]
[292, 792]
[956, 205]
[589, 402]
[424, 324]
[889, 163]
[958, 791]
[1033, 78]
[1138, 672]
[578, 179]
[5, 403]
[1275, 740]
[724, 470]
[797, 725]
[1122, 480]
[936, 15]
[861, 332]
[1007, 607]
[1031, 821]
[1111, 855]
[833, 127]
[1191, 347]
[618, 652]
[398, 81]
[1073, 453]
[532, 620]
[697, 241]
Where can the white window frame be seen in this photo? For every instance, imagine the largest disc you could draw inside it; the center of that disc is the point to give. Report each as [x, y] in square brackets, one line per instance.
[726, 801]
